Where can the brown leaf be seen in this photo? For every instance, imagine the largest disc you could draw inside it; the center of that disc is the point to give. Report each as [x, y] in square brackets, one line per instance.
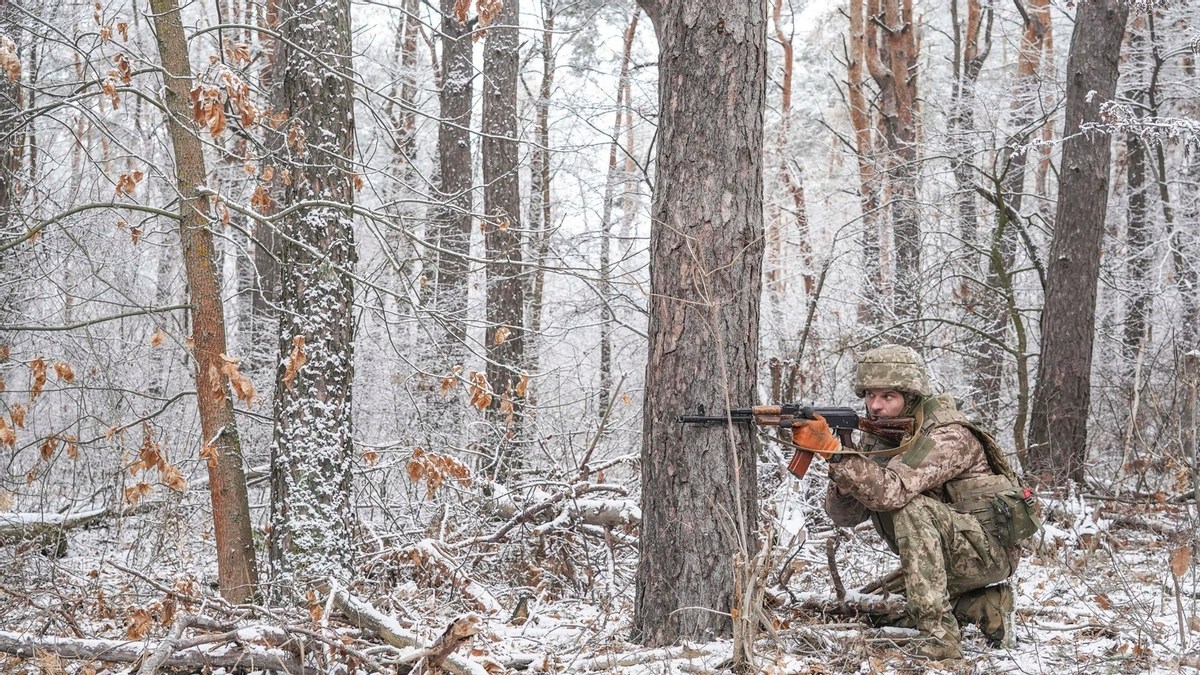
[124, 68]
[38, 366]
[123, 30]
[8, 436]
[72, 447]
[4, 352]
[17, 411]
[522, 386]
[295, 361]
[268, 173]
[48, 447]
[135, 235]
[138, 624]
[10, 62]
[172, 478]
[1181, 560]
[158, 337]
[1102, 601]
[242, 386]
[209, 454]
[63, 370]
[461, 8]
[261, 199]
[134, 494]
[370, 457]
[127, 182]
[450, 381]
[502, 334]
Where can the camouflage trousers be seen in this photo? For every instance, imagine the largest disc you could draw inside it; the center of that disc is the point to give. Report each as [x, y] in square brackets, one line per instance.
[944, 554]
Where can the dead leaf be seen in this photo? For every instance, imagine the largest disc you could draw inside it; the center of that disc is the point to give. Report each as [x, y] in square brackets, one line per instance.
[1181, 560]
[261, 199]
[242, 386]
[48, 447]
[128, 182]
[17, 411]
[138, 624]
[522, 386]
[461, 8]
[295, 361]
[1102, 601]
[8, 436]
[450, 381]
[72, 447]
[370, 457]
[134, 494]
[506, 409]
[63, 370]
[38, 366]
[157, 339]
[210, 455]
[4, 352]
[502, 334]
[172, 478]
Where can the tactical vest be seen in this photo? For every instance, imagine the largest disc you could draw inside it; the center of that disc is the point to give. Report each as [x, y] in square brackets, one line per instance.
[999, 502]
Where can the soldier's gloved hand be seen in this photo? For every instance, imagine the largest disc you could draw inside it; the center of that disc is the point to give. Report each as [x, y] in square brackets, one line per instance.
[815, 436]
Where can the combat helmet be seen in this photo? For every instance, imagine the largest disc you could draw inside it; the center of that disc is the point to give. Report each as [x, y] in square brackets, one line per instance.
[891, 367]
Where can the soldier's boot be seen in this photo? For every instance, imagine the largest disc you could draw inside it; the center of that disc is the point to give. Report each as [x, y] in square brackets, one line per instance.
[938, 641]
[991, 609]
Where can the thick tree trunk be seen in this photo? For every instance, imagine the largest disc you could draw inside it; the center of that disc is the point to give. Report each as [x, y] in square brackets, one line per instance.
[505, 339]
[452, 225]
[237, 571]
[312, 452]
[1058, 430]
[706, 248]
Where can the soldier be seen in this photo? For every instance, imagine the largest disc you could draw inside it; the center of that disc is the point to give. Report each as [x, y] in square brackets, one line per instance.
[933, 499]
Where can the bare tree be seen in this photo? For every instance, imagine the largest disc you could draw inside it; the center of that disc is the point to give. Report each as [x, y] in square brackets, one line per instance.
[236, 566]
[1058, 430]
[698, 486]
[312, 452]
[505, 335]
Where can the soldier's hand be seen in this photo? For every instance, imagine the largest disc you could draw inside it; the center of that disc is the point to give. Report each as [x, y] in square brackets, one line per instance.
[815, 436]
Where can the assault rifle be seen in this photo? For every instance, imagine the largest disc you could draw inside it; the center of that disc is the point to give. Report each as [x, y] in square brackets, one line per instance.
[790, 416]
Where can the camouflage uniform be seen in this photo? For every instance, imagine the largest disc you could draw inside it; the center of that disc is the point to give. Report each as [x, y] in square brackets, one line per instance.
[945, 554]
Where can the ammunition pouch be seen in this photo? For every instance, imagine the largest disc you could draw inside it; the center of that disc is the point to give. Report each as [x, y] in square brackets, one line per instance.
[1005, 509]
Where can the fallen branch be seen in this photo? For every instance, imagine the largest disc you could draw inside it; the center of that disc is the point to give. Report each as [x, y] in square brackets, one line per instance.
[192, 659]
[574, 492]
[852, 604]
[458, 633]
[366, 616]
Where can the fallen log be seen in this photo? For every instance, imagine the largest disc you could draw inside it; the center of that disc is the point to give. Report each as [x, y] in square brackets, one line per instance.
[193, 659]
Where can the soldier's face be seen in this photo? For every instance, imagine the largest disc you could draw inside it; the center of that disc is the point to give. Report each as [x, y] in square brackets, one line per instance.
[884, 402]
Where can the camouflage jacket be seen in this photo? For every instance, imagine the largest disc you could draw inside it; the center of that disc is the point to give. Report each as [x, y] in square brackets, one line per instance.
[860, 487]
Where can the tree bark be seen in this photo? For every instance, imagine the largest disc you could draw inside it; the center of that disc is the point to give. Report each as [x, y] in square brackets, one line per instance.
[706, 249]
[539, 197]
[868, 176]
[505, 339]
[1058, 429]
[893, 66]
[452, 226]
[237, 571]
[312, 453]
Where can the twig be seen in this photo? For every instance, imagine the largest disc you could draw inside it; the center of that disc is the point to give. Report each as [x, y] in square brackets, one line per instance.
[831, 547]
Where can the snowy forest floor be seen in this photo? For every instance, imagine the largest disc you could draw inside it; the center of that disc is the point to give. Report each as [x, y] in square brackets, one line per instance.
[1111, 588]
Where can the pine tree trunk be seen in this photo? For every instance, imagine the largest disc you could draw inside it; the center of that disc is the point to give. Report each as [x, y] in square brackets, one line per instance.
[699, 494]
[1058, 430]
[452, 225]
[870, 312]
[237, 571]
[894, 68]
[505, 339]
[312, 452]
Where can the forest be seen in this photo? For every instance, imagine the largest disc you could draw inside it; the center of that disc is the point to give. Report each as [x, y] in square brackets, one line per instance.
[354, 336]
